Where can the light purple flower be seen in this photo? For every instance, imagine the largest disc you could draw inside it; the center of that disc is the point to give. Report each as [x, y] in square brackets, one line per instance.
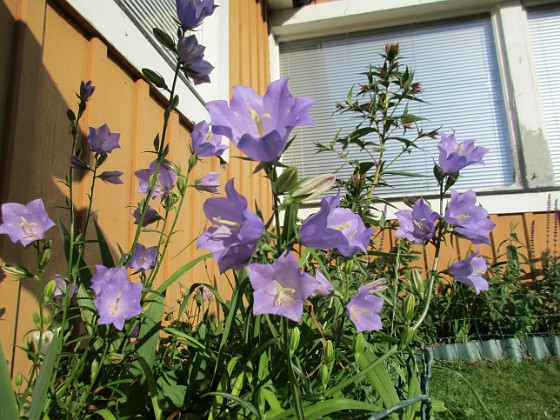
[86, 90]
[417, 225]
[468, 219]
[470, 270]
[208, 183]
[191, 55]
[165, 180]
[280, 288]
[325, 287]
[25, 223]
[236, 230]
[111, 177]
[118, 299]
[455, 156]
[150, 217]
[62, 287]
[143, 258]
[333, 227]
[105, 274]
[102, 141]
[191, 13]
[363, 310]
[205, 143]
[260, 126]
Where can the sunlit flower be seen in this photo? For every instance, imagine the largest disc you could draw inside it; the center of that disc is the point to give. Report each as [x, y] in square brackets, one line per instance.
[205, 143]
[468, 219]
[191, 13]
[102, 141]
[191, 55]
[325, 287]
[62, 287]
[164, 183]
[455, 156]
[86, 90]
[143, 258]
[416, 225]
[208, 183]
[363, 310]
[470, 270]
[25, 223]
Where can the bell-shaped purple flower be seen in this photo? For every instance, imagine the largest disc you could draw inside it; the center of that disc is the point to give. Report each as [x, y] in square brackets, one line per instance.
[25, 223]
[236, 230]
[103, 275]
[417, 225]
[191, 13]
[260, 126]
[118, 299]
[191, 55]
[470, 270]
[325, 287]
[335, 228]
[111, 177]
[205, 143]
[280, 288]
[143, 258]
[455, 156]
[363, 310]
[165, 180]
[63, 287]
[150, 217]
[86, 90]
[208, 183]
[77, 163]
[102, 141]
[468, 219]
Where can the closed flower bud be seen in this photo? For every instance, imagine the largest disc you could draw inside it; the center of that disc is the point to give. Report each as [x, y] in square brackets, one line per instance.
[325, 374]
[94, 368]
[45, 256]
[16, 270]
[314, 187]
[418, 283]
[19, 380]
[406, 337]
[181, 185]
[170, 200]
[329, 352]
[287, 180]
[294, 340]
[409, 307]
[49, 289]
[358, 344]
[115, 358]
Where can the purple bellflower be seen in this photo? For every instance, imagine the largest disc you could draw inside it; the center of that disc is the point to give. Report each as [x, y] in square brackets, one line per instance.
[363, 310]
[191, 55]
[191, 13]
[325, 287]
[165, 180]
[417, 225]
[77, 163]
[150, 217]
[236, 230]
[260, 126]
[111, 177]
[86, 90]
[333, 227]
[62, 287]
[25, 223]
[455, 156]
[118, 299]
[280, 288]
[470, 270]
[208, 183]
[102, 141]
[468, 219]
[143, 258]
[205, 143]
[103, 275]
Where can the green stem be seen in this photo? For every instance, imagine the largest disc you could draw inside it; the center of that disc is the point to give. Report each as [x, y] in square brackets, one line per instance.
[296, 394]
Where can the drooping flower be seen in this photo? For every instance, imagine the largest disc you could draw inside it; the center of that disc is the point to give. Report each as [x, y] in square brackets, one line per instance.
[62, 287]
[150, 217]
[111, 177]
[25, 223]
[118, 299]
[86, 90]
[468, 219]
[333, 227]
[455, 156]
[205, 143]
[280, 288]
[236, 230]
[208, 183]
[470, 270]
[102, 141]
[363, 310]
[77, 163]
[416, 225]
[191, 55]
[143, 258]
[164, 183]
[191, 13]
[260, 126]
[325, 287]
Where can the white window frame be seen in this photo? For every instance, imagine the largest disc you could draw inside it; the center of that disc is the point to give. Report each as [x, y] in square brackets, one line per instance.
[510, 26]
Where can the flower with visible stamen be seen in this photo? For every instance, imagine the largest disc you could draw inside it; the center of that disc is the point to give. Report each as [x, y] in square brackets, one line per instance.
[102, 141]
[25, 223]
[468, 219]
[363, 310]
[417, 225]
[455, 156]
[470, 271]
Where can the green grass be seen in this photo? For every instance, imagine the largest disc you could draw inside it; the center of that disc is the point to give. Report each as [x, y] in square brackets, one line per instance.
[509, 390]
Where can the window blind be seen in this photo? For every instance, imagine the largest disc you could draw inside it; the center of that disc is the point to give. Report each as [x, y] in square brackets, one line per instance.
[457, 66]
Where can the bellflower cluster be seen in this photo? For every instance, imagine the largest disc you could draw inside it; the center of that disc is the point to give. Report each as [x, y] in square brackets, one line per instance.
[468, 219]
[208, 183]
[260, 126]
[205, 143]
[470, 270]
[363, 309]
[191, 13]
[191, 55]
[102, 141]
[25, 223]
[236, 230]
[333, 227]
[164, 183]
[143, 258]
[417, 225]
[281, 288]
[455, 156]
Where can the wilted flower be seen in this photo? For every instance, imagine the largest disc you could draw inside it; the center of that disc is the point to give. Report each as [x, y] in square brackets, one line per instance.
[25, 223]
[280, 288]
[236, 230]
[143, 258]
[470, 270]
[191, 55]
[86, 90]
[191, 13]
[164, 183]
[208, 183]
[62, 287]
[363, 310]
[111, 177]
[150, 217]
[260, 126]
[205, 143]
[416, 225]
[333, 227]
[102, 141]
[455, 156]
[325, 287]
[468, 219]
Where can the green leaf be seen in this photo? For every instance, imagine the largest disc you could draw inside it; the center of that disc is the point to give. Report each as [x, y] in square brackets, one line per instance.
[104, 250]
[180, 272]
[106, 414]
[237, 400]
[164, 39]
[152, 386]
[43, 382]
[8, 403]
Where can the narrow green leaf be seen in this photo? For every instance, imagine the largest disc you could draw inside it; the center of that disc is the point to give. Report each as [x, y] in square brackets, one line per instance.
[8, 403]
[237, 400]
[180, 272]
[106, 414]
[152, 386]
[43, 382]
[378, 377]
[104, 249]
[164, 39]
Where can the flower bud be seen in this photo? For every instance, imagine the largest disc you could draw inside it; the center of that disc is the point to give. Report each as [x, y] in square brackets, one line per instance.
[45, 256]
[406, 337]
[19, 380]
[49, 290]
[329, 352]
[181, 185]
[170, 200]
[409, 307]
[115, 358]
[314, 187]
[16, 270]
[94, 368]
[418, 283]
[325, 374]
[358, 344]
[287, 180]
[294, 340]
